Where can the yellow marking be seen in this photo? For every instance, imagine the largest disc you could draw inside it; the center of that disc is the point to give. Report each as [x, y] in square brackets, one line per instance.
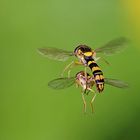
[88, 53]
[88, 77]
[97, 77]
[95, 68]
[90, 62]
[101, 77]
[101, 86]
[79, 51]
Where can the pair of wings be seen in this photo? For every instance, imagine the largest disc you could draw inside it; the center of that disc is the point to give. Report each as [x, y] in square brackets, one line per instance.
[61, 83]
[112, 47]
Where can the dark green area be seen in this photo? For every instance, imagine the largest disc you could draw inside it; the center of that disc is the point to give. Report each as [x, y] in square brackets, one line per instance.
[29, 110]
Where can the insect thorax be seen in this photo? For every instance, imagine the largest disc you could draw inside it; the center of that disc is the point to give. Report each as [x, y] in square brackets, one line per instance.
[85, 81]
[83, 52]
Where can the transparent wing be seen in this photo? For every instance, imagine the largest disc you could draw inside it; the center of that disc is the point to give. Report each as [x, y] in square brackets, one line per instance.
[113, 46]
[54, 53]
[116, 83]
[61, 83]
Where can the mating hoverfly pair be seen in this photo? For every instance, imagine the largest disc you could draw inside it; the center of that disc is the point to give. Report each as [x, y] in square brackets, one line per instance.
[87, 57]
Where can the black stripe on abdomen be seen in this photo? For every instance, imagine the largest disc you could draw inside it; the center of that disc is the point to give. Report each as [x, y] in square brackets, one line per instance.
[98, 74]
[93, 65]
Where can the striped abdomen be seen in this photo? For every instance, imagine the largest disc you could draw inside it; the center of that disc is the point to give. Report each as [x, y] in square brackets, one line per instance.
[98, 74]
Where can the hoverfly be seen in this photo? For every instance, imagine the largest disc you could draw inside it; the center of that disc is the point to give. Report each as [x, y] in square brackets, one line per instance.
[86, 81]
[86, 57]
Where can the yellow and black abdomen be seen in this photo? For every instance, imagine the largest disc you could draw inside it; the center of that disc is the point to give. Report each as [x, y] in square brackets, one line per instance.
[85, 54]
[98, 74]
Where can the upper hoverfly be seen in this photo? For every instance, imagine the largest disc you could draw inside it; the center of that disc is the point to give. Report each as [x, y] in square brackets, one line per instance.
[86, 81]
[86, 57]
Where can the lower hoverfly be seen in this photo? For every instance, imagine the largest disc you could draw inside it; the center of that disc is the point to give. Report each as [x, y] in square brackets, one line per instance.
[86, 57]
[86, 82]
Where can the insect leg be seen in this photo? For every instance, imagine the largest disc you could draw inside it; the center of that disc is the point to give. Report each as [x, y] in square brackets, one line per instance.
[76, 63]
[84, 102]
[86, 72]
[93, 98]
[70, 66]
[77, 83]
[66, 68]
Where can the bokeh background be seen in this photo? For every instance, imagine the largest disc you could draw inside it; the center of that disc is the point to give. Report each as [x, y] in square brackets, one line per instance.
[29, 110]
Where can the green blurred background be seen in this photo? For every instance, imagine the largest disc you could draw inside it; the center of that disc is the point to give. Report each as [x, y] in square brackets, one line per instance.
[29, 110]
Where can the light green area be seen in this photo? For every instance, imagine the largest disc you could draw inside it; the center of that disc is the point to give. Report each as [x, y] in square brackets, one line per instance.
[29, 110]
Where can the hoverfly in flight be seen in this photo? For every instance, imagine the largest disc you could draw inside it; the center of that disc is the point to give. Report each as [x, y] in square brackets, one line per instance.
[86, 57]
[86, 81]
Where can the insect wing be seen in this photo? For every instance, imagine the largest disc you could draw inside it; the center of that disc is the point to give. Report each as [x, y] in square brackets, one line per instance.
[116, 83]
[61, 83]
[54, 53]
[113, 46]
